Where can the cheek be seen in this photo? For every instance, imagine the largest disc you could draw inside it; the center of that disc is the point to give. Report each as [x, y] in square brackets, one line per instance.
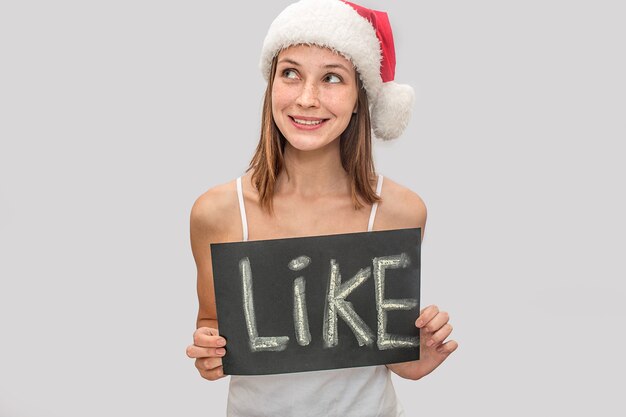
[277, 104]
[342, 104]
[282, 96]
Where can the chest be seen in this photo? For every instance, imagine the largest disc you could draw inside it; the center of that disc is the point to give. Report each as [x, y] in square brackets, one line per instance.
[298, 218]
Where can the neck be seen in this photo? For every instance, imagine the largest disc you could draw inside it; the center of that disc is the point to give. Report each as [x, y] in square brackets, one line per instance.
[311, 174]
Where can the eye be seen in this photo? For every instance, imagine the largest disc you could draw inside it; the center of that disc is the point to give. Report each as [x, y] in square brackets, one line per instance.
[333, 78]
[290, 73]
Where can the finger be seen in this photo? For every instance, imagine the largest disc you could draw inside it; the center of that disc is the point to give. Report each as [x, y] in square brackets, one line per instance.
[440, 335]
[208, 337]
[209, 331]
[213, 374]
[194, 351]
[448, 347]
[426, 315]
[207, 364]
[437, 322]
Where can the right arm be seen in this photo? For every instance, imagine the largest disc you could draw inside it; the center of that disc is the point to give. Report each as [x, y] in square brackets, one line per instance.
[208, 346]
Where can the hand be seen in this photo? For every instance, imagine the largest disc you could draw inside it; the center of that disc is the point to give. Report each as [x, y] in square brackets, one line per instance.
[434, 329]
[208, 349]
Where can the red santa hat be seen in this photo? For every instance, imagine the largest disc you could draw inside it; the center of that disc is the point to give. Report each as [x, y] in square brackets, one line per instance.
[361, 35]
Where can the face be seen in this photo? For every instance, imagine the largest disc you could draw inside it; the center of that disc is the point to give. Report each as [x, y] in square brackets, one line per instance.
[313, 96]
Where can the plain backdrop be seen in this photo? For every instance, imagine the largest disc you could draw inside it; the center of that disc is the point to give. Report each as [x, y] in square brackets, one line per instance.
[116, 115]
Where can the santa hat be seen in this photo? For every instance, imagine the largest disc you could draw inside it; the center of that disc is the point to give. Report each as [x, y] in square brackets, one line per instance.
[361, 35]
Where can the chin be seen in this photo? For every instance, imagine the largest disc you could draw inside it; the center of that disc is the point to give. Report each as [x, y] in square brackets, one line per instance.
[307, 144]
[308, 141]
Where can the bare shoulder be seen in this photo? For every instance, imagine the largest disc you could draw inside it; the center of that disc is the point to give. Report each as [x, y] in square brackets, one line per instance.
[400, 207]
[214, 212]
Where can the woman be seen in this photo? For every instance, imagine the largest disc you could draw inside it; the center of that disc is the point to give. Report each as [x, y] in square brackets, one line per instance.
[326, 62]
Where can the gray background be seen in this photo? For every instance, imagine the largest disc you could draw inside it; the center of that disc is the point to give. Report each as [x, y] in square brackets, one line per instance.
[115, 116]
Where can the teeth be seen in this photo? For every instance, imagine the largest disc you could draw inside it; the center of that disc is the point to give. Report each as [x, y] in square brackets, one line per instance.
[307, 122]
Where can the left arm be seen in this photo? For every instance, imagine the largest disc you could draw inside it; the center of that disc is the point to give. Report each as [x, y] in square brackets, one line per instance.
[407, 210]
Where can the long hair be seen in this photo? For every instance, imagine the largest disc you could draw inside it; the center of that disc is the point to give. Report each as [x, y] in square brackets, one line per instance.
[355, 149]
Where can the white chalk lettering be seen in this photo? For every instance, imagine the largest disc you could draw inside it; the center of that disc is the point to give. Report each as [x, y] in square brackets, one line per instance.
[257, 343]
[300, 314]
[385, 340]
[337, 305]
[299, 263]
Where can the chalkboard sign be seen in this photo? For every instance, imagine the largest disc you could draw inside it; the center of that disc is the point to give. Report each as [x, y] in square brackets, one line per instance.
[320, 302]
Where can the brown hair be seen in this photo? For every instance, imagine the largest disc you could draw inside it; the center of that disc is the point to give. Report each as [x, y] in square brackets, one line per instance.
[355, 149]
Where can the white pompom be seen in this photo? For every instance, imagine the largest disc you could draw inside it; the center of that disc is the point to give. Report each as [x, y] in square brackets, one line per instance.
[391, 111]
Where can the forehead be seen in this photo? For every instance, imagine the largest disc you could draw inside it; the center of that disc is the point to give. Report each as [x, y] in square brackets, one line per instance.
[313, 54]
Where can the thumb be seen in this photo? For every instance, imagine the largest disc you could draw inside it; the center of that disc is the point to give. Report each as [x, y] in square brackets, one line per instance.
[209, 331]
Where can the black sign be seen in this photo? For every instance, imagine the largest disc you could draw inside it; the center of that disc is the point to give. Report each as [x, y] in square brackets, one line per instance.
[321, 302]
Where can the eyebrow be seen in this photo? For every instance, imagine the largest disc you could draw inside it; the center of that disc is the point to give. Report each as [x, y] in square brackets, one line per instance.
[292, 62]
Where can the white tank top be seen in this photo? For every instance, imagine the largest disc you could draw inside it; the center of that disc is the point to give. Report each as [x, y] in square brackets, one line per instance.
[363, 391]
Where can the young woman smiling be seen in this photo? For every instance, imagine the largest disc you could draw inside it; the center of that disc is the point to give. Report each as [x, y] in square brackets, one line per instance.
[329, 66]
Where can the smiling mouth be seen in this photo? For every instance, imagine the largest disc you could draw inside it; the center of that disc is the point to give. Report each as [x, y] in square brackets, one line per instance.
[308, 122]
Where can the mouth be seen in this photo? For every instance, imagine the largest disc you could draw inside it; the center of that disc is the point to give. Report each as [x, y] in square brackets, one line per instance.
[307, 123]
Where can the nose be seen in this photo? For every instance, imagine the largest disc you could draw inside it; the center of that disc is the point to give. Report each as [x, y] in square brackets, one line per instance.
[309, 96]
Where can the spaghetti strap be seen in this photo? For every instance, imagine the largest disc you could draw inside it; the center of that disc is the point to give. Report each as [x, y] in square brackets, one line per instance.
[379, 187]
[242, 210]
